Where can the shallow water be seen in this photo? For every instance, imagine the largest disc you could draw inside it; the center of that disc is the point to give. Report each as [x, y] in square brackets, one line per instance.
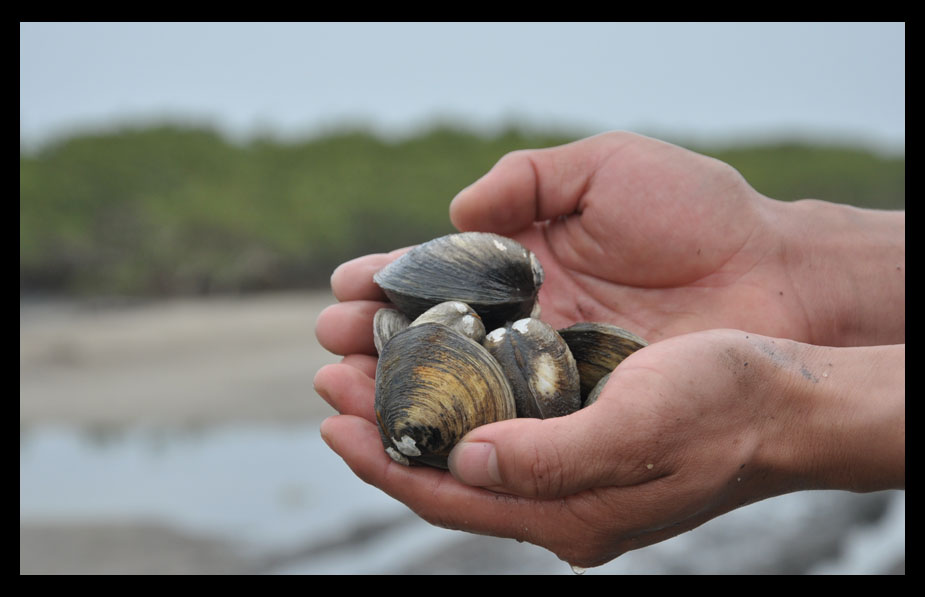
[286, 504]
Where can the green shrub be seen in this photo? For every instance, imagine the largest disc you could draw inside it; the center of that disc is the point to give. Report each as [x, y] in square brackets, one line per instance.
[166, 210]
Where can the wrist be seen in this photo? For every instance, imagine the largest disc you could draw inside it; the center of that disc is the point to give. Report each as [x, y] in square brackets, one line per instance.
[840, 417]
[847, 266]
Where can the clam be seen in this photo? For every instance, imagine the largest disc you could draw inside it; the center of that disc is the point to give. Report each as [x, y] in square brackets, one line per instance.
[457, 315]
[439, 375]
[596, 391]
[598, 348]
[539, 366]
[386, 323]
[434, 385]
[460, 316]
[496, 276]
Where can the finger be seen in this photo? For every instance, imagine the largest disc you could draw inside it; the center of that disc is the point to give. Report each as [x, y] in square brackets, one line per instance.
[348, 389]
[353, 280]
[529, 186]
[554, 457]
[347, 328]
[363, 362]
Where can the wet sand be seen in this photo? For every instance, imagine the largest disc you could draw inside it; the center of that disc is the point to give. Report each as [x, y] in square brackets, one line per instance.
[182, 362]
[121, 548]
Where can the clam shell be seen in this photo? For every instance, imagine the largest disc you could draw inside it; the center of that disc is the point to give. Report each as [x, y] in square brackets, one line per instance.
[540, 367]
[387, 323]
[596, 392]
[457, 315]
[496, 276]
[598, 348]
[434, 385]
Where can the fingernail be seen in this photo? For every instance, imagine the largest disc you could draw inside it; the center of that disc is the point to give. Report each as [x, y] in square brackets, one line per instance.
[475, 463]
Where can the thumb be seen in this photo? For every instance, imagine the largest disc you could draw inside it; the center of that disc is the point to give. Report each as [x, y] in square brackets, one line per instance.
[528, 185]
[536, 458]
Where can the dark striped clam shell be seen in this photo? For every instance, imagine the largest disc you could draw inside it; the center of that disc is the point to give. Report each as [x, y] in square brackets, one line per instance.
[540, 367]
[434, 385]
[495, 275]
[598, 348]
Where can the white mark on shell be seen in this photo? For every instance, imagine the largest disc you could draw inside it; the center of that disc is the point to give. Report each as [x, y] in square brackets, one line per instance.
[397, 456]
[522, 325]
[460, 307]
[407, 446]
[469, 324]
[496, 335]
[545, 375]
[499, 245]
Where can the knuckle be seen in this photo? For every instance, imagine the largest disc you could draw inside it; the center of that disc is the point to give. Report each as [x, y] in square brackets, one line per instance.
[516, 154]
[546, 474]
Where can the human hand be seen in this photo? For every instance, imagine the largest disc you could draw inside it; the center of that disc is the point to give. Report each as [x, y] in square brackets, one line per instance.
[685, 430]
[629, 230]
[664, 242]
[641, 233]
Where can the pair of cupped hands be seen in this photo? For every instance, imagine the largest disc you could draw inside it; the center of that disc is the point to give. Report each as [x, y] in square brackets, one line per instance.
[675, 247]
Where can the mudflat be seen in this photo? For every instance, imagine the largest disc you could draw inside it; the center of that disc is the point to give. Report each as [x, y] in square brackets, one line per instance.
[169, 364]
[177, 362]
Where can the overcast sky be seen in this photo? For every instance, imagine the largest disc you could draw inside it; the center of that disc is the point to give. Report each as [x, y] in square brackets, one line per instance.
[702, 81]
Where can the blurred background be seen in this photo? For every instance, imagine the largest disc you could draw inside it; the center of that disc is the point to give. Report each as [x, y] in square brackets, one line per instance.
[186, 190]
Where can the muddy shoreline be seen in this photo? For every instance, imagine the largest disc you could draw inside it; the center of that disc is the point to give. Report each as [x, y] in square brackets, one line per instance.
[108, 366]
[179, 362]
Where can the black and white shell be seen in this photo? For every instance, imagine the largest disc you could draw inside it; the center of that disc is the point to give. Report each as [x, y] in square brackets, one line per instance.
[540, 367]
[495, 275]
